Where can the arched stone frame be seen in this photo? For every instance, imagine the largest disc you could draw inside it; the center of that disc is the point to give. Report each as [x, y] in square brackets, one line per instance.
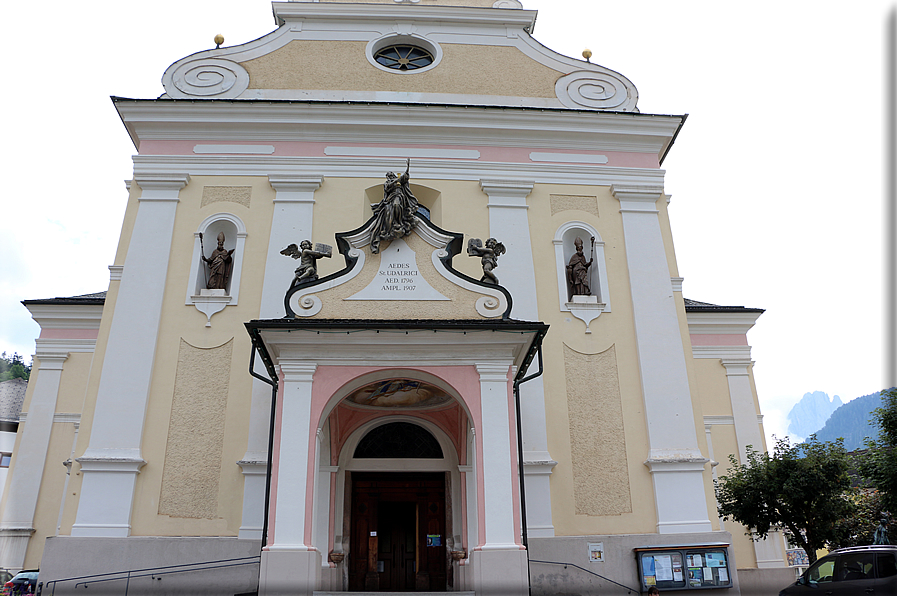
[330, 526]
[234, 238]
[563, 250]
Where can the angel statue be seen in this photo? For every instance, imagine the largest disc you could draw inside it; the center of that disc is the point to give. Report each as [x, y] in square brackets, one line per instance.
[219, 264]
[578, 270]
[489, 254]
[308, 266]
[395, 214]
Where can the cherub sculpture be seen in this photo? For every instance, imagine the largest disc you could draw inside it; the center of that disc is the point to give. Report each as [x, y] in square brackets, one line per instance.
[489, 255]
[308, 266]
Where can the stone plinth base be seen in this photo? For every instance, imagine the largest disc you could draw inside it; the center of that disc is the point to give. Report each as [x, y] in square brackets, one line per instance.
[289, 572]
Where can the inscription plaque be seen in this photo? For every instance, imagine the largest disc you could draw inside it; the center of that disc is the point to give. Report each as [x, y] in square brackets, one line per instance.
[398, 277]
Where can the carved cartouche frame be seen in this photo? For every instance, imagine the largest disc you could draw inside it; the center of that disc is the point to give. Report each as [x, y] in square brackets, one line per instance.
[453, 248]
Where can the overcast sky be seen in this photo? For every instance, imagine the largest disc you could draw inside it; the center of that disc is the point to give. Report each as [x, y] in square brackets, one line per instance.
[777, 178]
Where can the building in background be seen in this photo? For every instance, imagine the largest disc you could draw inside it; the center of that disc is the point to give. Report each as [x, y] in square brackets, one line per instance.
[412, 400]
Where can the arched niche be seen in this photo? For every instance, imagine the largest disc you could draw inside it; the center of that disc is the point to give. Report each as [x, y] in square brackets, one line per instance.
[234, 239]
[429, 198]
[564, 249]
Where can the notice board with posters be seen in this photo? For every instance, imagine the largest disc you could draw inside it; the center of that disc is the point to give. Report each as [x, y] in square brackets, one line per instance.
[684, 567]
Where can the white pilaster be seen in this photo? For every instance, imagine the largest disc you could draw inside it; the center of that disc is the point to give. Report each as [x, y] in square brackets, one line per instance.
[747, 433]
[112, 460]
[293, 458]
[509, 224]
[497, 457]
[254, 476]
[500, 550]
[291, 223]
[31, 457]
[674, 459]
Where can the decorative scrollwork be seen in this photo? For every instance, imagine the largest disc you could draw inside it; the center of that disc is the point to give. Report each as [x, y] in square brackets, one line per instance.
[490, 306]
[210, 77]
[596, 91]
[306, 305]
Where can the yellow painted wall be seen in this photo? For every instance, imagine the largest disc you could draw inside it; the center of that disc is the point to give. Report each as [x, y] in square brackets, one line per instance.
[343, 204]
[343, 66]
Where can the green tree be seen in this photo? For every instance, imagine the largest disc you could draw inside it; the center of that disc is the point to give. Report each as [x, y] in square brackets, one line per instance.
[802, 489]
[858, 528]
[13, 367]
[879, 465]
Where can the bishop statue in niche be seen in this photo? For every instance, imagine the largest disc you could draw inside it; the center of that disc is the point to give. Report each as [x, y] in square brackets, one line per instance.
[578, 270]
[394, 215]
[219, 264]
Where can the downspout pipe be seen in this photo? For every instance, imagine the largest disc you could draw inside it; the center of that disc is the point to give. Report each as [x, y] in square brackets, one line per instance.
[520, 470]
[273, 382]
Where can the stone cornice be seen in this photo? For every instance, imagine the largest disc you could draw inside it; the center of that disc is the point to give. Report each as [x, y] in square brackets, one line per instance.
[723, 352]
[642, 193]
[395, 123]
[66, 316]
[342, 167]
[715, 322]
[289, 184]
[292, 12]
[161, 182]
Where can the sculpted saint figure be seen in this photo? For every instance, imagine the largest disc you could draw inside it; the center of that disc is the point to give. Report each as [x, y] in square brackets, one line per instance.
[489, 256]
[308, 265]
[218, 263]
[395, 214]
[578, 271]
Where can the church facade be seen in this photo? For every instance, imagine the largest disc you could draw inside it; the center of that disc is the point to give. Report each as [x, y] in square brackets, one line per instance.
[395, 308]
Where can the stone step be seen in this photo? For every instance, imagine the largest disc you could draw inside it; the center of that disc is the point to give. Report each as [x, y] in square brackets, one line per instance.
[394, 593]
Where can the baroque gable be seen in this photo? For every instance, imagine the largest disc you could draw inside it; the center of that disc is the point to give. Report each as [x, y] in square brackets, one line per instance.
[329, 52]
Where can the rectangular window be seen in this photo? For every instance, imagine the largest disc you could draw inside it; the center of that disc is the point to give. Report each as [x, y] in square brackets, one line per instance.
[5, 458]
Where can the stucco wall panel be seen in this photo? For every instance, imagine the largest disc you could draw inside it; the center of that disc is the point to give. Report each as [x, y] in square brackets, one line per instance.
[342, 66]
[190, 481]
[242, 195]
[597, 436]
[586, 203]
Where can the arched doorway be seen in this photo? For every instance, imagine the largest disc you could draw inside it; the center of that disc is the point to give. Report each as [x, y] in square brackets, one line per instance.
[398, 445]
[398, 518]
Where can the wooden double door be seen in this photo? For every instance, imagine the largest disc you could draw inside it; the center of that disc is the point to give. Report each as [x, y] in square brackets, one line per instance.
[398, 532]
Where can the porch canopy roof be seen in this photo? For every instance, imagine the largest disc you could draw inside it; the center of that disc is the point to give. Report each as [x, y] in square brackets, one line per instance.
[396, 342]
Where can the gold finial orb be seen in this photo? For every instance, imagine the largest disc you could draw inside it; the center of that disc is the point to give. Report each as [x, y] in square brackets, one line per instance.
[219, 39]
[587, 53]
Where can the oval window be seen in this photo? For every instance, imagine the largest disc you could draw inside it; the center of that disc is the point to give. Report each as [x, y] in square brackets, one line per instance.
[403, 57]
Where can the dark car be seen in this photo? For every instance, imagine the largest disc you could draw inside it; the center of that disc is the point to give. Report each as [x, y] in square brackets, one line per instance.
[24, 582]
[848, 571]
